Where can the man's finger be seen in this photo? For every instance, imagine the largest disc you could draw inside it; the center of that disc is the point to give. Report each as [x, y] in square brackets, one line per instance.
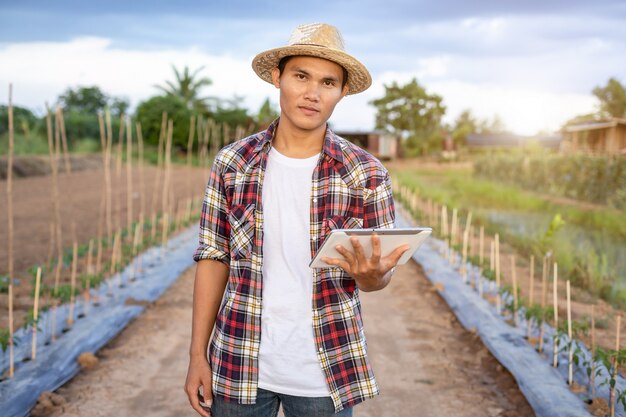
[397, 253]
[358, 250]
[375, 248]
[337, 262]
[193, 394]
[349, 256]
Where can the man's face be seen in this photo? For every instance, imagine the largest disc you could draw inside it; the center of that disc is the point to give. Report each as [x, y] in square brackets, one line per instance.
[309, 90]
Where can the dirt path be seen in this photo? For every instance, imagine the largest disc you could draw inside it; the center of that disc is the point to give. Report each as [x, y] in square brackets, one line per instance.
[422, 357]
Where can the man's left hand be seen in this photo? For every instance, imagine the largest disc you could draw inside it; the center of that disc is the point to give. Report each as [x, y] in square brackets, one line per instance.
[370, 274]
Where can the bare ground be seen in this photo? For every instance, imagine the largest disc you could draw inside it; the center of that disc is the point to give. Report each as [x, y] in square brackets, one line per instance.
[424, 360]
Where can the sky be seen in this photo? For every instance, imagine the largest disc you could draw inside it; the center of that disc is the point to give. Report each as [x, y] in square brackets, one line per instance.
[532, 63]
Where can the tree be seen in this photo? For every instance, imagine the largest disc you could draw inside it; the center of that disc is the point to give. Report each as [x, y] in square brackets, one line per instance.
[187, 87]
[612, 98]
[267, 114]
[464, 125]
[150, 113]
[24, 120]
[413, 114]
[88, 100]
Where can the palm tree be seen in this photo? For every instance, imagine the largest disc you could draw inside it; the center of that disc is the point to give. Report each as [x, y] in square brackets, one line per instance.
[187, 88]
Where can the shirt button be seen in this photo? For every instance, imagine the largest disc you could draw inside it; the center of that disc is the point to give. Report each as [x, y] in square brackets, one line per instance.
[321, 350]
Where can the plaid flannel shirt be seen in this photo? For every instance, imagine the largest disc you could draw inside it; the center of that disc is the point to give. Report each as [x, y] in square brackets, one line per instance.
[350, 189]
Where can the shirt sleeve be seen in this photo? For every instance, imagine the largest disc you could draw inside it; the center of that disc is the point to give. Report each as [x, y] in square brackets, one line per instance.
[379, 209]
[214, 226]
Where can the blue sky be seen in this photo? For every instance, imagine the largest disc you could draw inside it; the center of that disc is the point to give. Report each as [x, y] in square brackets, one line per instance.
[534, 63]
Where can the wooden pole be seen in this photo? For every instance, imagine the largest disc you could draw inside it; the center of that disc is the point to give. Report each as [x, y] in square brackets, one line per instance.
[615, 363]
[107, 177]
[531, 292]
[492, 255]
[159, 171]
[89, 268]
[129, 177]
[497, 261]
[592, 379]
[544, 278]
[66, 153]
[453, 232]
[192, 132]
[555, 352]
[10, 229]
[481, 246]
[36, 313]
[70, 317]
[142, 186]
[570, 377]
[514, 277]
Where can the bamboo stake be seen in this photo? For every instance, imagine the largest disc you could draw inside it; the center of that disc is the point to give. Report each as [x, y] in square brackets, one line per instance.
[99, 257]
[166, 181]
[615, 363]
[129, 177]
[90, 258]
[464, 261]
[11, 354]
[515, 300]
[142, 186]
[531, 292]
[50, 247]
[492, 255]
[70, 317]
[157, 180]
[481, 246]
[544, 278]
[453, 232]
[192, 132]
[66, 153]
[556, 317]
[153, 227]
[36, 314]
[570, 377]
[107, 177]
[10, 226]
[592, 381]
[497, 261]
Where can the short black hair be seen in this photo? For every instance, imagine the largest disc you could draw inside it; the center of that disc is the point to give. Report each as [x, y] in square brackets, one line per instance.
[283, 62]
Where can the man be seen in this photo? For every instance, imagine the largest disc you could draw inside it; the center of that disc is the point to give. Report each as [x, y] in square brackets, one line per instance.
[285, 333]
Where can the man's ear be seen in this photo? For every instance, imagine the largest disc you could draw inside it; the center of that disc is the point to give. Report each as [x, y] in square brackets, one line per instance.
[276, 77]
[344, 90]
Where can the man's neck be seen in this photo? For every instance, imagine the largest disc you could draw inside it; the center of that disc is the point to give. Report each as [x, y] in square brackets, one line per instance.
[297, 143]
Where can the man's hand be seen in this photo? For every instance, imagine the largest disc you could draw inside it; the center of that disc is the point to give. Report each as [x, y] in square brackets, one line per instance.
[199, 375]
[370, 274]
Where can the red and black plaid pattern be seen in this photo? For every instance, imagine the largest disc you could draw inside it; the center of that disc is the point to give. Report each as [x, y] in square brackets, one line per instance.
[350, 189]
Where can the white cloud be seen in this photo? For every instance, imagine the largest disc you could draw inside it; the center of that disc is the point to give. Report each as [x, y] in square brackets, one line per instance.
[40, 71]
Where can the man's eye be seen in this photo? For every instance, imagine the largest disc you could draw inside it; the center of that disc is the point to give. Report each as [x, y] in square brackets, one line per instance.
[300, 76]
[329, 83]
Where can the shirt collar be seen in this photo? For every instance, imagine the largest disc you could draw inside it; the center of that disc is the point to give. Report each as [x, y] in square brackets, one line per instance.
[332, 146]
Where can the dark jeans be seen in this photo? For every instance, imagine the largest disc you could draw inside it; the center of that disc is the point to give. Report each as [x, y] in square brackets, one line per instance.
[267, 403]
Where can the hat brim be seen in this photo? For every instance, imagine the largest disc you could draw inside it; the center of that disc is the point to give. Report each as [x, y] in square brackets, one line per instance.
[359, 78]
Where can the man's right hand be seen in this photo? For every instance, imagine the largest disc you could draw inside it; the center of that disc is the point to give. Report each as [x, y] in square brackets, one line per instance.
[199, 375]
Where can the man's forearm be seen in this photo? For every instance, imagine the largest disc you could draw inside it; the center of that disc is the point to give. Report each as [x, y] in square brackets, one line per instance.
[210, 282]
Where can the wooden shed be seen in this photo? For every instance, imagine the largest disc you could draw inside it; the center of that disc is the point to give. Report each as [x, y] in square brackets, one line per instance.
[379, 143]
[599, 137]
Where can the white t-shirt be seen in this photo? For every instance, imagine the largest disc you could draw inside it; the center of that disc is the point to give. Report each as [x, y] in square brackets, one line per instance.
[288, 361]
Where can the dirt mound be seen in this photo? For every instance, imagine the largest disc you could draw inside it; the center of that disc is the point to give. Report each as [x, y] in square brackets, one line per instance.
[39, 165]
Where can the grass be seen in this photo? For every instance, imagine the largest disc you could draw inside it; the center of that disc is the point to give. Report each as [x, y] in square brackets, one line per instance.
[458, 188]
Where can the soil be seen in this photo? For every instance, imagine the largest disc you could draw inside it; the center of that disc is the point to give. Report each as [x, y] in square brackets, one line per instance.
[421, 355]
[80, 197]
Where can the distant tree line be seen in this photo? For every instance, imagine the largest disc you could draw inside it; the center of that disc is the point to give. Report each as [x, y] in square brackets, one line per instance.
[415, 115]
[180, 98]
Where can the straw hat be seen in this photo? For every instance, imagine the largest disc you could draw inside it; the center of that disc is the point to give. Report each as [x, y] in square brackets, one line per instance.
[319, 40]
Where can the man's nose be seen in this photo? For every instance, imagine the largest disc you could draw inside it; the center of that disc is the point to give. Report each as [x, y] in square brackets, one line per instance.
[312, 91]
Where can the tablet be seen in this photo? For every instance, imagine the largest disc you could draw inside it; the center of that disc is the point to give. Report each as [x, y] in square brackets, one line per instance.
[389, 240]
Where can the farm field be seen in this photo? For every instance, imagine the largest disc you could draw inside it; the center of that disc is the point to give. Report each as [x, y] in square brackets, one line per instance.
[521, 218]
[81, 192]
[421, 355]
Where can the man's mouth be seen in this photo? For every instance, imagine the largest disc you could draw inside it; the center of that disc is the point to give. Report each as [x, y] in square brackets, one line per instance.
[309, 110]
